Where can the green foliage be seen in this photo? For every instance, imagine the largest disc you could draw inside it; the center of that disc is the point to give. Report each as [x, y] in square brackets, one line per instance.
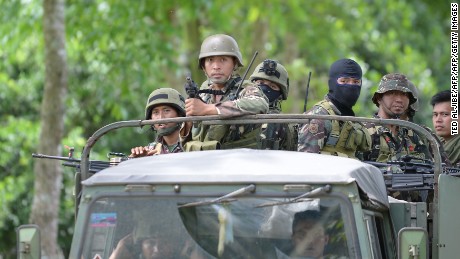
[16, 179]
[120, 51]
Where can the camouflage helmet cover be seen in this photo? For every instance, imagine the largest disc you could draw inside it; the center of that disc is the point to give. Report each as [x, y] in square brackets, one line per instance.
[394, 82]
[272, 71]
[165, 96]
[220, 45]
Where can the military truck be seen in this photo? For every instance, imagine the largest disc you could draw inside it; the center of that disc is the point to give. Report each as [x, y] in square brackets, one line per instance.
[245, 203]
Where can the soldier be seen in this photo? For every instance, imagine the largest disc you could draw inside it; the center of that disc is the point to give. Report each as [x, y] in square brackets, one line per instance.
[227, 95]
[442, 122]
[273, 79]
[395, 100]
[163, 103]
[332, 136]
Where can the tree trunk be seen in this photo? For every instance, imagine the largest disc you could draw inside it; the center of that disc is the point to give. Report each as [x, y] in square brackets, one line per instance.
[48, 173]
[291, 54]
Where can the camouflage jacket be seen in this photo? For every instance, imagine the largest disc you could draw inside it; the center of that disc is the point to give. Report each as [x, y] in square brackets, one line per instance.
[386, 146]
[250, 99]
[165, 149]
[452, 148]
[340, 138]
[235, 101]
[278, 136]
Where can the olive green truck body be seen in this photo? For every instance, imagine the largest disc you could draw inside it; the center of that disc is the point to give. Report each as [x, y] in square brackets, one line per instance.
[241, 203]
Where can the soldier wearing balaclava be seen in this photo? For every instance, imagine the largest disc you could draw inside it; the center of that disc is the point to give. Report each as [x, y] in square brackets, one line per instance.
[344, 93]
[273, 78]
[334, 137]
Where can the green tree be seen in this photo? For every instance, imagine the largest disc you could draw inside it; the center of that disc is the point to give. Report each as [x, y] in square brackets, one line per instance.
[48, 173]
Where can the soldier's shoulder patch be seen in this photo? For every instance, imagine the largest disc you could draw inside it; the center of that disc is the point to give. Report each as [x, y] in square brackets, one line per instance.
[313, 128]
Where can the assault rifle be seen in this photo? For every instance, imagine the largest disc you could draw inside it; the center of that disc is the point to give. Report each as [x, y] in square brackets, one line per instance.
[94, 165]
[410, 173]
[191, 88]
[193, 92]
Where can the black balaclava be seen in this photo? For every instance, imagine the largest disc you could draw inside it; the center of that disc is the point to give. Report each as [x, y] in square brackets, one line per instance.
[271, 94]
[345, 96]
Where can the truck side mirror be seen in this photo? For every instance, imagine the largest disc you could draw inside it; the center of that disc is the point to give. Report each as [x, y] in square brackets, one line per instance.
[28, 242]
[412, 243]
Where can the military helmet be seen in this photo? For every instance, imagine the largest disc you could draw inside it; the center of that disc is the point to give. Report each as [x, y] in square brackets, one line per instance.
[165, 96]
[272, 71]
[220, 45]
[394, 82]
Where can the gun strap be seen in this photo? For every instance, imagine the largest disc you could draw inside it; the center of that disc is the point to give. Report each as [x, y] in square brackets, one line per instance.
[374, 153]
[232, 84]
[211, 91]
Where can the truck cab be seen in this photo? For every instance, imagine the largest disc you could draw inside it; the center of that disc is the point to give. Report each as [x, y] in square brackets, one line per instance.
[234, 204]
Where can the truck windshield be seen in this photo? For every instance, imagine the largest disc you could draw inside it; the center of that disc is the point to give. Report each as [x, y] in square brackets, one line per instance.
[160, 227]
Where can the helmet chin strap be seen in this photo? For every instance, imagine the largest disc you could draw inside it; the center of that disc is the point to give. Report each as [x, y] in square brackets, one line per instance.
[210, 82]
[391, 114]
[167, 131]
[219, 82]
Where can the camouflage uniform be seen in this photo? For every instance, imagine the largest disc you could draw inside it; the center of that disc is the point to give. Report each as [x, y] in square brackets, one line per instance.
[165, 149]
[452, 148]
[275, 136]
[334, 137]
[385, 145]
[249, 100]
[339, 138]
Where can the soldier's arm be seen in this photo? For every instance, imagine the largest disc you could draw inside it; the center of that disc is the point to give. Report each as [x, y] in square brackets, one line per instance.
[124, 249]
[251, 100]
[196, 107]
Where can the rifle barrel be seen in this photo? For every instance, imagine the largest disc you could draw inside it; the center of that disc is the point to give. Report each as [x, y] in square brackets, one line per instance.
[94, 165]
[55, 157]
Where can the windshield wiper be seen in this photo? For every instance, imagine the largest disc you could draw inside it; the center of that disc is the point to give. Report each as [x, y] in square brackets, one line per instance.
[225, 198]
[318, 191]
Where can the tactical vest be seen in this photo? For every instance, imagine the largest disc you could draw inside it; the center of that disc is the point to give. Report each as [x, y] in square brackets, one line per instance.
[345, 137]
[278, 136]
[209, 137]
